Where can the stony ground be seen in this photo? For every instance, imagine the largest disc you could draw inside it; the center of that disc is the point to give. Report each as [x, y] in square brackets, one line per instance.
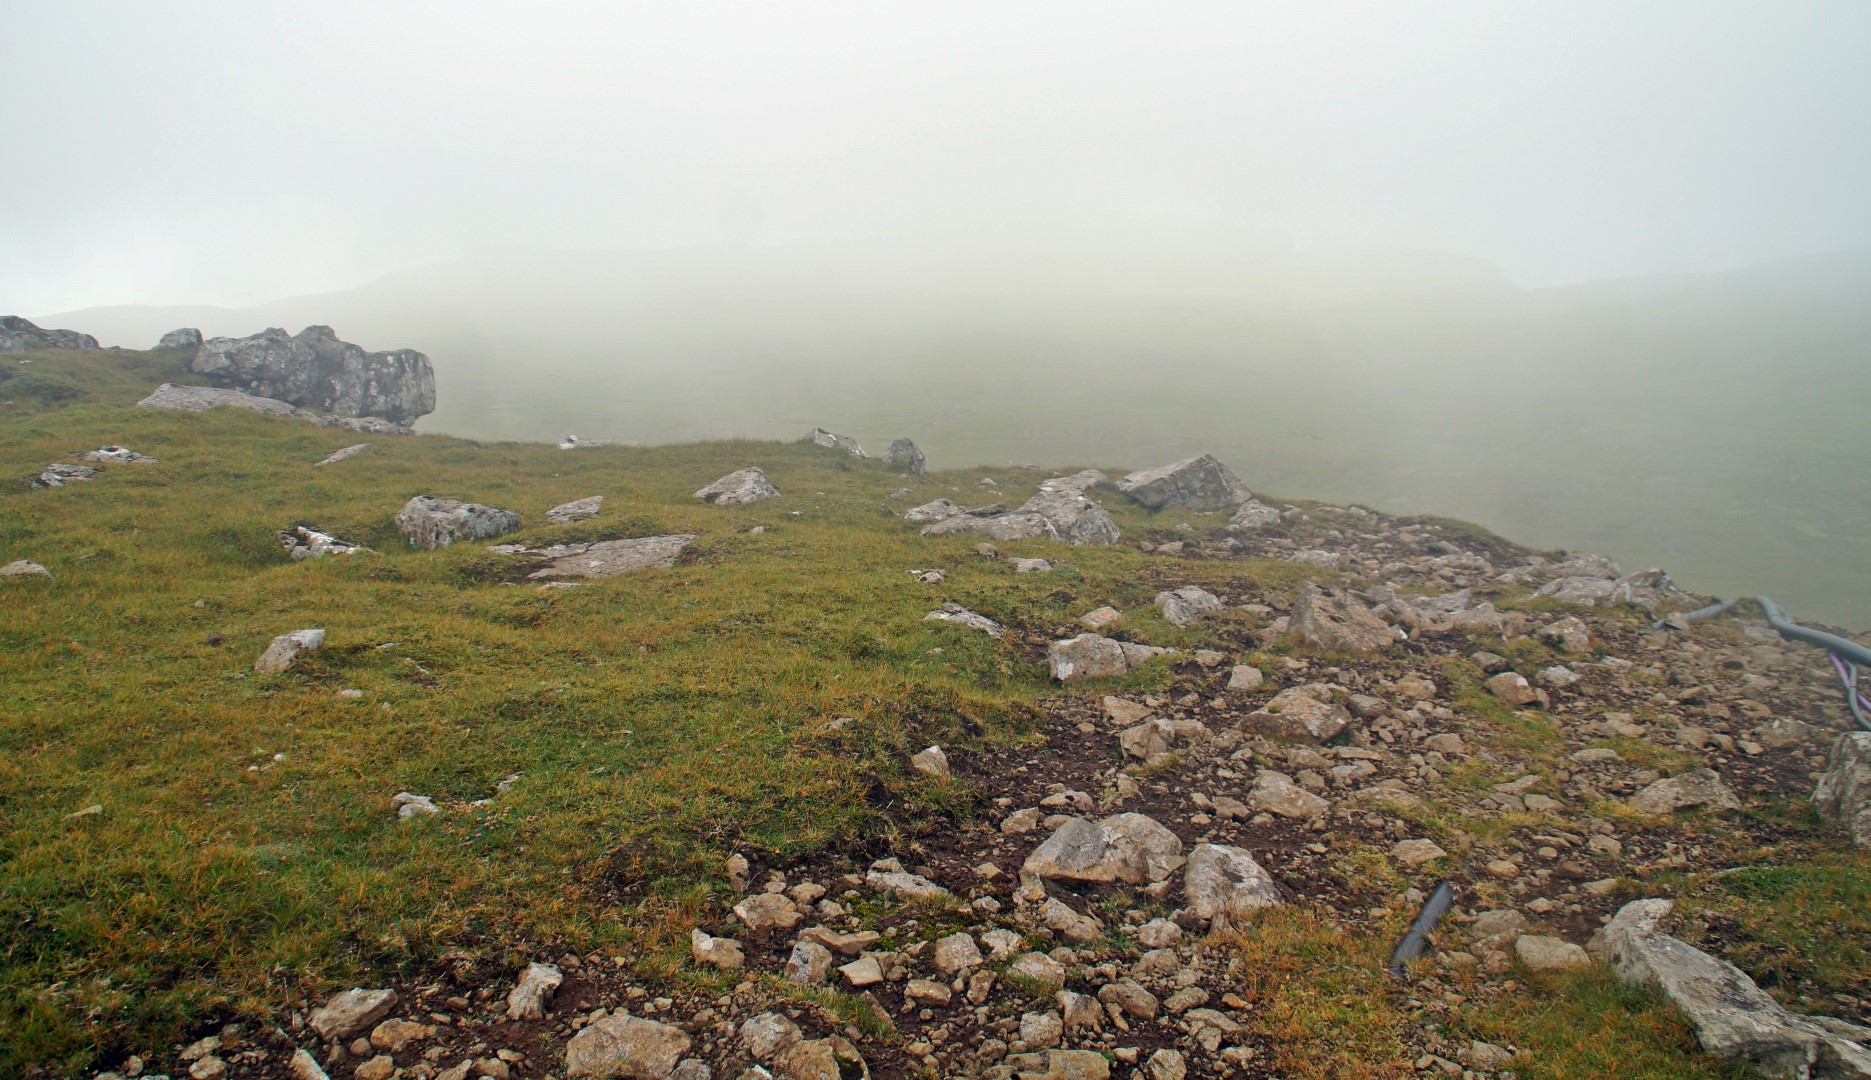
[1547, 800]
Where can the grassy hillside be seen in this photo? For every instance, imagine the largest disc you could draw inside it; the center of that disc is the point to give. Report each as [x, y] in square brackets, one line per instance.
[761, 696]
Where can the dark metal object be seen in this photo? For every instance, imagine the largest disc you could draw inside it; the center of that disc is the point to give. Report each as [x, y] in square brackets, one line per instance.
[1846, 653]
[1414, 942]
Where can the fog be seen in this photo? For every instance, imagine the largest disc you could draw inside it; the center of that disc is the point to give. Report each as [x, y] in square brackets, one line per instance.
[233, 153]
[1590, 274]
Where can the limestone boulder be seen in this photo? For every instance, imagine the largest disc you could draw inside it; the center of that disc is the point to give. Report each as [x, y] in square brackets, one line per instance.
[1843, 794]
[739, 488]
[1188, 605]
[1131, 849]
[286, 649]
[576, 510]
[352, 1012]
[1198, 484]
[621, 1045]
[1301, 714]
[434, 523]
[1698, 787]
[1225, 882]
[529, 997]
[1337, 622]
[608, 558]
[315, 370]
[21, 335]
[1093, 656]
[904, 454]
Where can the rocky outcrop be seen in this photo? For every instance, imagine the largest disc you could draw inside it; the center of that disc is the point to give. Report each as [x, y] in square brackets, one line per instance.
[837, 442]
[739, 488]
[1732, 1017]
[1198, 484]
[314, 370]
[904, 454]
[432, 523]
[1843, 794]
[20, 335]
[1059, 511]
[203, 398]
[185, 338]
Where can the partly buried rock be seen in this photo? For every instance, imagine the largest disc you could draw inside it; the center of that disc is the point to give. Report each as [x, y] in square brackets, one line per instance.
[739, 488]
[837, 442]
[314, 370]
[1198, 484]
[1843, 794]
[1059, 511]
[1223, 882]
[58, 474]
[955, 613]
[1130, 849]
[1731, 1015]
[1252, 515]
[203, 398]
[21, 335]
[432, 523]
[339, 455]
[1538, 952]
[622, 1045]
[1187, 605]
[1302, 714]
[185, 338]
[305, 542]
[904, 454]
[1093, 656]
[939, 510]
[608, 558]
[1698, 787]
[576, 510]
[1337, 623]
[1276, 793]
[115, 455]
[20, 568]
[352, 1013]
[527, 1000]
[288, 648]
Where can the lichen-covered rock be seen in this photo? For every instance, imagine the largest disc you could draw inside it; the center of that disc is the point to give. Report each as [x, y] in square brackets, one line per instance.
[20, 335]
[955, 613]
[621, 1045]
[1128, 848]
[431, 523]
[739, 488]
[1198, 484]
[1222, 881]
[1187, 605]
[1337, 623]
[59, 473]
[203, 398]
[608, 558]
[837, 442]
[305, 542]
[1301, 714]
[1093, 656]
[1059, 511]
[314, 370]
[904, 454]
[185, 338]
[1843, 794]
[939, 510]
[1253, 515]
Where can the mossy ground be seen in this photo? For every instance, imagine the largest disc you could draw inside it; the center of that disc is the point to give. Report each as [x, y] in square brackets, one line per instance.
[246, 855]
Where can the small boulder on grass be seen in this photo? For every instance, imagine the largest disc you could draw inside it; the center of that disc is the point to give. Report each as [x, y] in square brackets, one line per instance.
[286, 649]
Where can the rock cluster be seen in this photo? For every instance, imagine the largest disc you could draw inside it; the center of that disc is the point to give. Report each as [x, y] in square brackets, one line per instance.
[1059, 511]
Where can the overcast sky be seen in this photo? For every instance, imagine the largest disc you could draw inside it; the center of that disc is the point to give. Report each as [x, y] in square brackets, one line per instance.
[236, 152]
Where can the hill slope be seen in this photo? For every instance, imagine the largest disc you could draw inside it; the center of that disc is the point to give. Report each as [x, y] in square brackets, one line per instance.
[599, 752]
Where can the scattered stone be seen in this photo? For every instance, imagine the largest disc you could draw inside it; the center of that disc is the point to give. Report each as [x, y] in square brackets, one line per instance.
[717, 952]
[392, 1036]
[576, 510]
[303, 1066]
[58, 474]
[606, 558]
[906, 887]
[862, 972]
[1299, 714]
[116, 455]
[1569, 635]
[286, 649]
[956, 953]
[352, 1012]
[527, 1000]
[739, 488]
[1060, 511]
[1512, 688]
[955, 613]
[1700, 787]
[1276, 793]
[1187, 605]
[939, 510]
[621, 1045]
[931, 761]
[1128, 848]
[809, 963]
[408, 806]
[821, 1059]
[1414, 853]
[305, 542]
[766, 1035]
[1147, 740]
[432, 523]
[1198, 484]
[1253, 515]
[1091, 656]
[1099, 618]
[1031, 566]
[767, 912]
[1558, 676]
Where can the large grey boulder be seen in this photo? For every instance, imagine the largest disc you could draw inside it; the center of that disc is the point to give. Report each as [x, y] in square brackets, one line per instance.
[739, 488]
[622, 1045]
[186, 338]
[904, 454]
[313, 369]
[1732, 1016]
[1130, 849]
[1843, 794]
[1225, 882]
[20, 335]
[1198, 484]
[433, 523]
[1059, 511]
[1336, 622]
[837, 442]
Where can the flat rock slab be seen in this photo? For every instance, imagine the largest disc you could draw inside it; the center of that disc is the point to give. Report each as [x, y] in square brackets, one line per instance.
[576, 510]
[607, 558]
